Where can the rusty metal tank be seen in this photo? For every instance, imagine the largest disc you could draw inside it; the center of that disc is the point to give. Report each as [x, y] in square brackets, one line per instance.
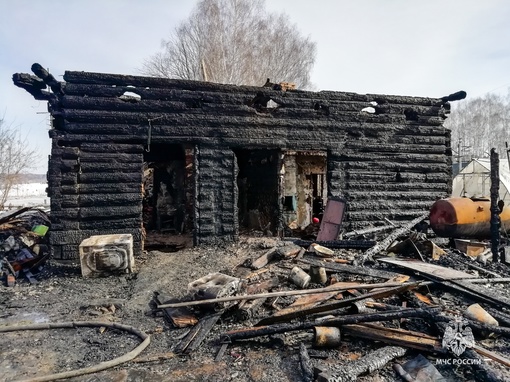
[464, 218]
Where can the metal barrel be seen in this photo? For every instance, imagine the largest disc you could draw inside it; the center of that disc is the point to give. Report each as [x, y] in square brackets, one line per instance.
[465, 218]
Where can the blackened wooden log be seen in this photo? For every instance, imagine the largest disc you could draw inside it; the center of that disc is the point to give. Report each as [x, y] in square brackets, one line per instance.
[96, 224]
[112, 212]
[76, 237]
[151, 82]
[120, 177]
[109, 223]
[367, 364]
[354, 244]
[243, 334]
[483, 371]
[178, 317]
[111, 148]
[333, 306]
[306, 364]
[87, 166]
[477, 293]
[356, 187]
[200, 105]
[240, 117]
[125, 199]
[197, 334]
[100, 188]
[198, 98]
[367, 231]
[110, 157]
[384, 244]
[48, 78]
[394, 203]
[345, 268]
[352, 148]
[495, 211]
[33, 85]
[75, 139]
[501, 317]
[392, 336]
[64, 153]
[96, 200]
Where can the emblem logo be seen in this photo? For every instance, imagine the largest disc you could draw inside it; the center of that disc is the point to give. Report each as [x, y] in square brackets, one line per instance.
[458, 337]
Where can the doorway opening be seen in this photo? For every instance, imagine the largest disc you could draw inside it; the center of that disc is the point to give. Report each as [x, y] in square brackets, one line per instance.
[257, 190]
[304, 188]
[167, 196]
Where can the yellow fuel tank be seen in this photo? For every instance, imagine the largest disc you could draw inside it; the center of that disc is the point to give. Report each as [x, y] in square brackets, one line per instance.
[464, 218]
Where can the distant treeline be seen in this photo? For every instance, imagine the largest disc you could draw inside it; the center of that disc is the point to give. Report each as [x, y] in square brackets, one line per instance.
[31, 178]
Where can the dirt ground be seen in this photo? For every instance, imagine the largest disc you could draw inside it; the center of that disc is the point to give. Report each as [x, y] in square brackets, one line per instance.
[63, 295]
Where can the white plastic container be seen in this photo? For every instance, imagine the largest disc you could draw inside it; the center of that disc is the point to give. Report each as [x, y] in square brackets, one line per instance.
[103, 255]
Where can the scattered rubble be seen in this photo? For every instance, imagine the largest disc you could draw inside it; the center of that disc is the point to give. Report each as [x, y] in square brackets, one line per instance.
[23, 244]
[284, 310]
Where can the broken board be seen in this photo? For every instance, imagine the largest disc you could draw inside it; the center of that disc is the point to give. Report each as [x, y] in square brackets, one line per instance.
[435, 271]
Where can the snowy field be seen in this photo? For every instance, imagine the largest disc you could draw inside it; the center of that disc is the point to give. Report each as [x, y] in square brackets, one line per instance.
[28, 195]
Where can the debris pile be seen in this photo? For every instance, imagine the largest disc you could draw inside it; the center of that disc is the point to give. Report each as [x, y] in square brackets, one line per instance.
[430, 304]
[23, 244]
[389, 303]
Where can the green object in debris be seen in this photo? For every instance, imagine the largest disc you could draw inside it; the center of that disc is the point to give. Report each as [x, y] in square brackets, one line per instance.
[40, 230]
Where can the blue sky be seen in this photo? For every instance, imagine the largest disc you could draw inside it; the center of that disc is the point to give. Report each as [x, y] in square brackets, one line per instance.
[422, 48]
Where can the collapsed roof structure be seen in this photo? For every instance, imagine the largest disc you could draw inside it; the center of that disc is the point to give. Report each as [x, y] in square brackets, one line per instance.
[132, 154]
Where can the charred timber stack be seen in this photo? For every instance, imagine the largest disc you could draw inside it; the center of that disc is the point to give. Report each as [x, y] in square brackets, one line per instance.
[392, 160]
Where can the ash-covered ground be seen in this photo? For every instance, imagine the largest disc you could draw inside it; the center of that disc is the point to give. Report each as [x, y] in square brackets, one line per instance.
[63, 295]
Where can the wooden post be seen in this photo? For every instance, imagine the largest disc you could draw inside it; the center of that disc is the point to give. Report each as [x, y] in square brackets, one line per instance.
[495, 211]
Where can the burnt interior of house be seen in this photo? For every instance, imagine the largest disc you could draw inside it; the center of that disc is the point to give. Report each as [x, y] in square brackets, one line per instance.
[257, 184]
[167, 193]
[156, 157]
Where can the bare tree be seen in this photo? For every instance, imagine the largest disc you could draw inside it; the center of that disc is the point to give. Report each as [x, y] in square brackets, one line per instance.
[235, 42]
[478, 124]
[16, 157]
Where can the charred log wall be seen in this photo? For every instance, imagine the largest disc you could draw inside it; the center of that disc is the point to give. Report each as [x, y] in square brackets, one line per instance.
[390, 162]
[215, 211]
[95, 189]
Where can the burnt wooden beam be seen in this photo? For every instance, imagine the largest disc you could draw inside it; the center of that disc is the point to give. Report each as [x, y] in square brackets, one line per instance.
[333, 306]
[197, 98]
[242, 334]
[366, 364]
[139, 81]
[477, 293]
[345, 268]
[48, 78]
[306, 363]
[197, 334]
[384, 244]
[32, 85]
[495, 210]
[179, 317]
[392, 336]
[484, 372]
[334, 287]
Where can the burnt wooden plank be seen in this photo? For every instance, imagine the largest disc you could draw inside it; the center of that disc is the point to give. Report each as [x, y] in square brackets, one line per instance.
[98, 188]
[432, 270]
[109, 167]
[96, 224]
[198, 334]
[76, 237]
[115, 177]
[282, 117]
[152, 82]
[97, 212]
[197, 96]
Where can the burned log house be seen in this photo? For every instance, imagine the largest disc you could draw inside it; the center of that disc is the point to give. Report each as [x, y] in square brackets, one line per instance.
[133, 154]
